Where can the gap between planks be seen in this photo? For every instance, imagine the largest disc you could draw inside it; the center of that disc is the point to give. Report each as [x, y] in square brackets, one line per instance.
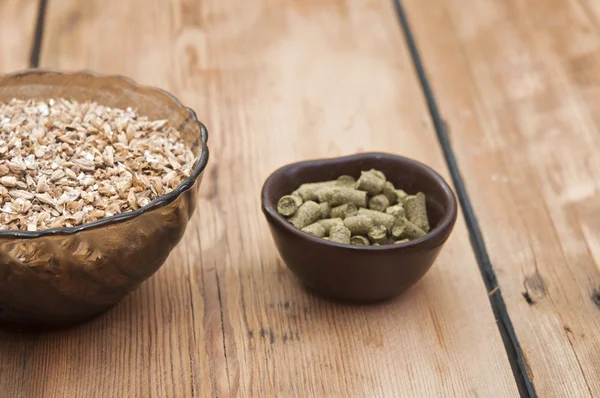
[36, 46]
[505, 326]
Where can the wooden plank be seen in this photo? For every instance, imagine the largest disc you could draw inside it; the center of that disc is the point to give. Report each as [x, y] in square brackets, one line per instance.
[275, 82]
[592, 9]
[520, 90]
[17, 27]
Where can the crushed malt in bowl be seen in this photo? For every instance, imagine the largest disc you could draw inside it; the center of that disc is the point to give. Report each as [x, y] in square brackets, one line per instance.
[122, 210]
[66, 163]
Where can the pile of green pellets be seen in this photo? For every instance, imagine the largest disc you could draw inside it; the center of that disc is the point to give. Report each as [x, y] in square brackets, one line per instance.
[364, 212]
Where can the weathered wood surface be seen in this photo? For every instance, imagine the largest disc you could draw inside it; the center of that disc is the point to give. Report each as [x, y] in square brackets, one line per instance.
[519, 87]
[275, 82]
[17, 28]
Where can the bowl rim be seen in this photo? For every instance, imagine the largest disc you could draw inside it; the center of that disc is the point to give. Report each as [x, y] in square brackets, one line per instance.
[444, 226]
[157, 203]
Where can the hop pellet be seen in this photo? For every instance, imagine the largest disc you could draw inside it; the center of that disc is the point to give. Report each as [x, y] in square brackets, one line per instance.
[378, 234]
[416, 211]
[329, 223]
[396, 211]
[307, 213]
[371, 181]
[324, 193]
[325, 210]
[310, 191]
[359, 225]
[369, 211]
[401, 195]
[360, 240]
[343, 211]
[379, 203]
[289, 204]
[340, 234]
[341, 196]
[411, 232]
[405, 229]
[315, 229]
[387, 220]
[345, 181]
[390, 192]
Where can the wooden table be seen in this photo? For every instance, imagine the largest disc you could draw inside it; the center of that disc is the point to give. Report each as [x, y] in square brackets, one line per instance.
[498, 95]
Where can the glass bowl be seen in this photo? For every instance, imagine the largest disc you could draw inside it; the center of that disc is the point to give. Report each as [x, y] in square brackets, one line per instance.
[64, 276]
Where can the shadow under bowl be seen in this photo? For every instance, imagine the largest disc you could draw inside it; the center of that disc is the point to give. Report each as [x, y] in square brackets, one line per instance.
[61, 277]
[360, 273]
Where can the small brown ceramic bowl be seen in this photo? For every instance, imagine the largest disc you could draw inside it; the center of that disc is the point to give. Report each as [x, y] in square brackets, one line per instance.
[360, 273]
[64, 276]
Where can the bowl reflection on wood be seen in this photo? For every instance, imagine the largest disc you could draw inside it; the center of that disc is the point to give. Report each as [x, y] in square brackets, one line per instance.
[360, 273]
[64, 276]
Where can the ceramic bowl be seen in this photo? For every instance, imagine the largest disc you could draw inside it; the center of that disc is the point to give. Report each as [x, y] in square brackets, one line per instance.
[360, 273]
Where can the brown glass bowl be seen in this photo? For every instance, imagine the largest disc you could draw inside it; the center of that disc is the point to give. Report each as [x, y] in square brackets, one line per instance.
[360, 273]
[64, 276]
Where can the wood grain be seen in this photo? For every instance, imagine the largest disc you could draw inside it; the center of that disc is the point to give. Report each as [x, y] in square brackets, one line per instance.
[276, 82]
[17, 27]
[520, 90]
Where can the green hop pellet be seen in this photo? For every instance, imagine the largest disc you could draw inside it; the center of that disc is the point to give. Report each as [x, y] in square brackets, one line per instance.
[309, 191]
[411, 231]
[396, 211]
[416, 211]
[329, 223]
[345, 182]
[401, 195]
[390, 192]
[325, 210]
[398, 227]
[339, 234]
[379, 203]
[359, 240]
[404, 229]
[307, 213]
[341, 196]
[343, 211]
[371, 181]
[379, 174]
[288, 205]
[366, 211]
[378, 234]
[387, 220]
[359, 225]
[324, 193]
[315, 229]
